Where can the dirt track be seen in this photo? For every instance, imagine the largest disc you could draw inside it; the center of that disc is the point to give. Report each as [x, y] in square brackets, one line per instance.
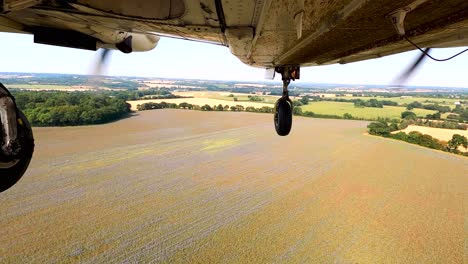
[188, 186]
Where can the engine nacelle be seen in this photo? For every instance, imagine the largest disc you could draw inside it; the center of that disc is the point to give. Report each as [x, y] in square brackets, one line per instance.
[134, 41]
[142, 42]
[96, 37]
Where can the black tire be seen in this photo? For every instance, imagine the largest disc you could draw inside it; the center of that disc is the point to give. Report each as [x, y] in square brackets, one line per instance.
[9, 176]
[283, 117]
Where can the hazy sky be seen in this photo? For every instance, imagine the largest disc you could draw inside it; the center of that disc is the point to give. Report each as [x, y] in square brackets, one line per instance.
[186, 59]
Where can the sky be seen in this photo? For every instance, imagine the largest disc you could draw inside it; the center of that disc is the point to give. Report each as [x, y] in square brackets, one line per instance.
[174, 58]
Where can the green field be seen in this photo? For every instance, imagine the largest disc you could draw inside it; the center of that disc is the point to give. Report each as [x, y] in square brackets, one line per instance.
[340, 108]
[407, 100]
[243, 98]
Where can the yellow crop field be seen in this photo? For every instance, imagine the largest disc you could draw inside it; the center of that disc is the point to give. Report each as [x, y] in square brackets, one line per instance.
[439, 133]
[197, 101]
[172, 186]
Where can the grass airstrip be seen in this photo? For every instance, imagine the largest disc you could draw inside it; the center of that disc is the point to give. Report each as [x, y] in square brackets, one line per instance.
[175, 186]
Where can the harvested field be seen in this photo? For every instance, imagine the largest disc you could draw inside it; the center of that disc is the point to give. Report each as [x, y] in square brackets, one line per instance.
[439, 133]
[208, 187]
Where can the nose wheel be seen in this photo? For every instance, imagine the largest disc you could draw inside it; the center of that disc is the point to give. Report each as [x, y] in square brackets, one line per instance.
[16, 141]
[283, 116]
[284, 106]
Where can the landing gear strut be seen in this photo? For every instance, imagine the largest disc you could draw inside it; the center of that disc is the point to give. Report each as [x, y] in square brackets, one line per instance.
[284, 106]
[16, 141]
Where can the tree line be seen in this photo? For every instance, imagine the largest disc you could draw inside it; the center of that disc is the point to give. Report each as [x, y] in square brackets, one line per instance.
[56, 108]
[410, 118]
[237, 108]
[435, 107]
[458, 114]
[142, 94]
[384, 128]
[206, 107]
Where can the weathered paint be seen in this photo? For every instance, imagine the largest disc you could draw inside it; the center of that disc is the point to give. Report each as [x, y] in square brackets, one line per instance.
[264, 33]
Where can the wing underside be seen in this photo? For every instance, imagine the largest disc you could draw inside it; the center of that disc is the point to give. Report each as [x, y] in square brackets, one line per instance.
[261, 33]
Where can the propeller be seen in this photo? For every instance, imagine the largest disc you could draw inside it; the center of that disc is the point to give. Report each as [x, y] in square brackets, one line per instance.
[103, 57]
[104, 54]
[410, 71]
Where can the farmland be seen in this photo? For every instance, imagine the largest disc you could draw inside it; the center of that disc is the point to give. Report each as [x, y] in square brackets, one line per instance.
[408, 100]
[340, 108]
[322, 107]
[42, 87]
[195, 101]
[209, 187]
[439, 133]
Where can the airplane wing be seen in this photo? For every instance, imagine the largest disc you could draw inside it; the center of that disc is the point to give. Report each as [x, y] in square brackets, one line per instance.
[262, 33]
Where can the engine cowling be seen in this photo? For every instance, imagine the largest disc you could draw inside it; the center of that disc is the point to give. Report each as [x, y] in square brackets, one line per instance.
[94, 38]
[137, 42]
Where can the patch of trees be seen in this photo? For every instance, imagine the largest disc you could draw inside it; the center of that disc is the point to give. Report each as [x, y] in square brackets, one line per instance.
[457, 141]
[385, 129]
[435, 116]
[382, 128]
[418, 138]
[459, 114]
[409, 118]
[441, 124]
[305, 100]
[408, 115]
[435, 107]
[369, 103]
[255, 98]
[70, 108]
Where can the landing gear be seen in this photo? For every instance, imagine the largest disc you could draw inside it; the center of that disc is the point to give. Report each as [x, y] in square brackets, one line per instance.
[16, 141]
[284, 106]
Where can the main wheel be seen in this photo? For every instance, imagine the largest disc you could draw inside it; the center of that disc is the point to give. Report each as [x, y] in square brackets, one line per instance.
[283, 117]
[12, 169]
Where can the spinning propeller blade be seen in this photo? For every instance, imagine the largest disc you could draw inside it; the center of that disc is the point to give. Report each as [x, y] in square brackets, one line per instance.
[103, 57]
[410, 71]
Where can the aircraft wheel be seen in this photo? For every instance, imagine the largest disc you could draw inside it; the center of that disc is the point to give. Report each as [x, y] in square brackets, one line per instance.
[283, 117]
[12, 169]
